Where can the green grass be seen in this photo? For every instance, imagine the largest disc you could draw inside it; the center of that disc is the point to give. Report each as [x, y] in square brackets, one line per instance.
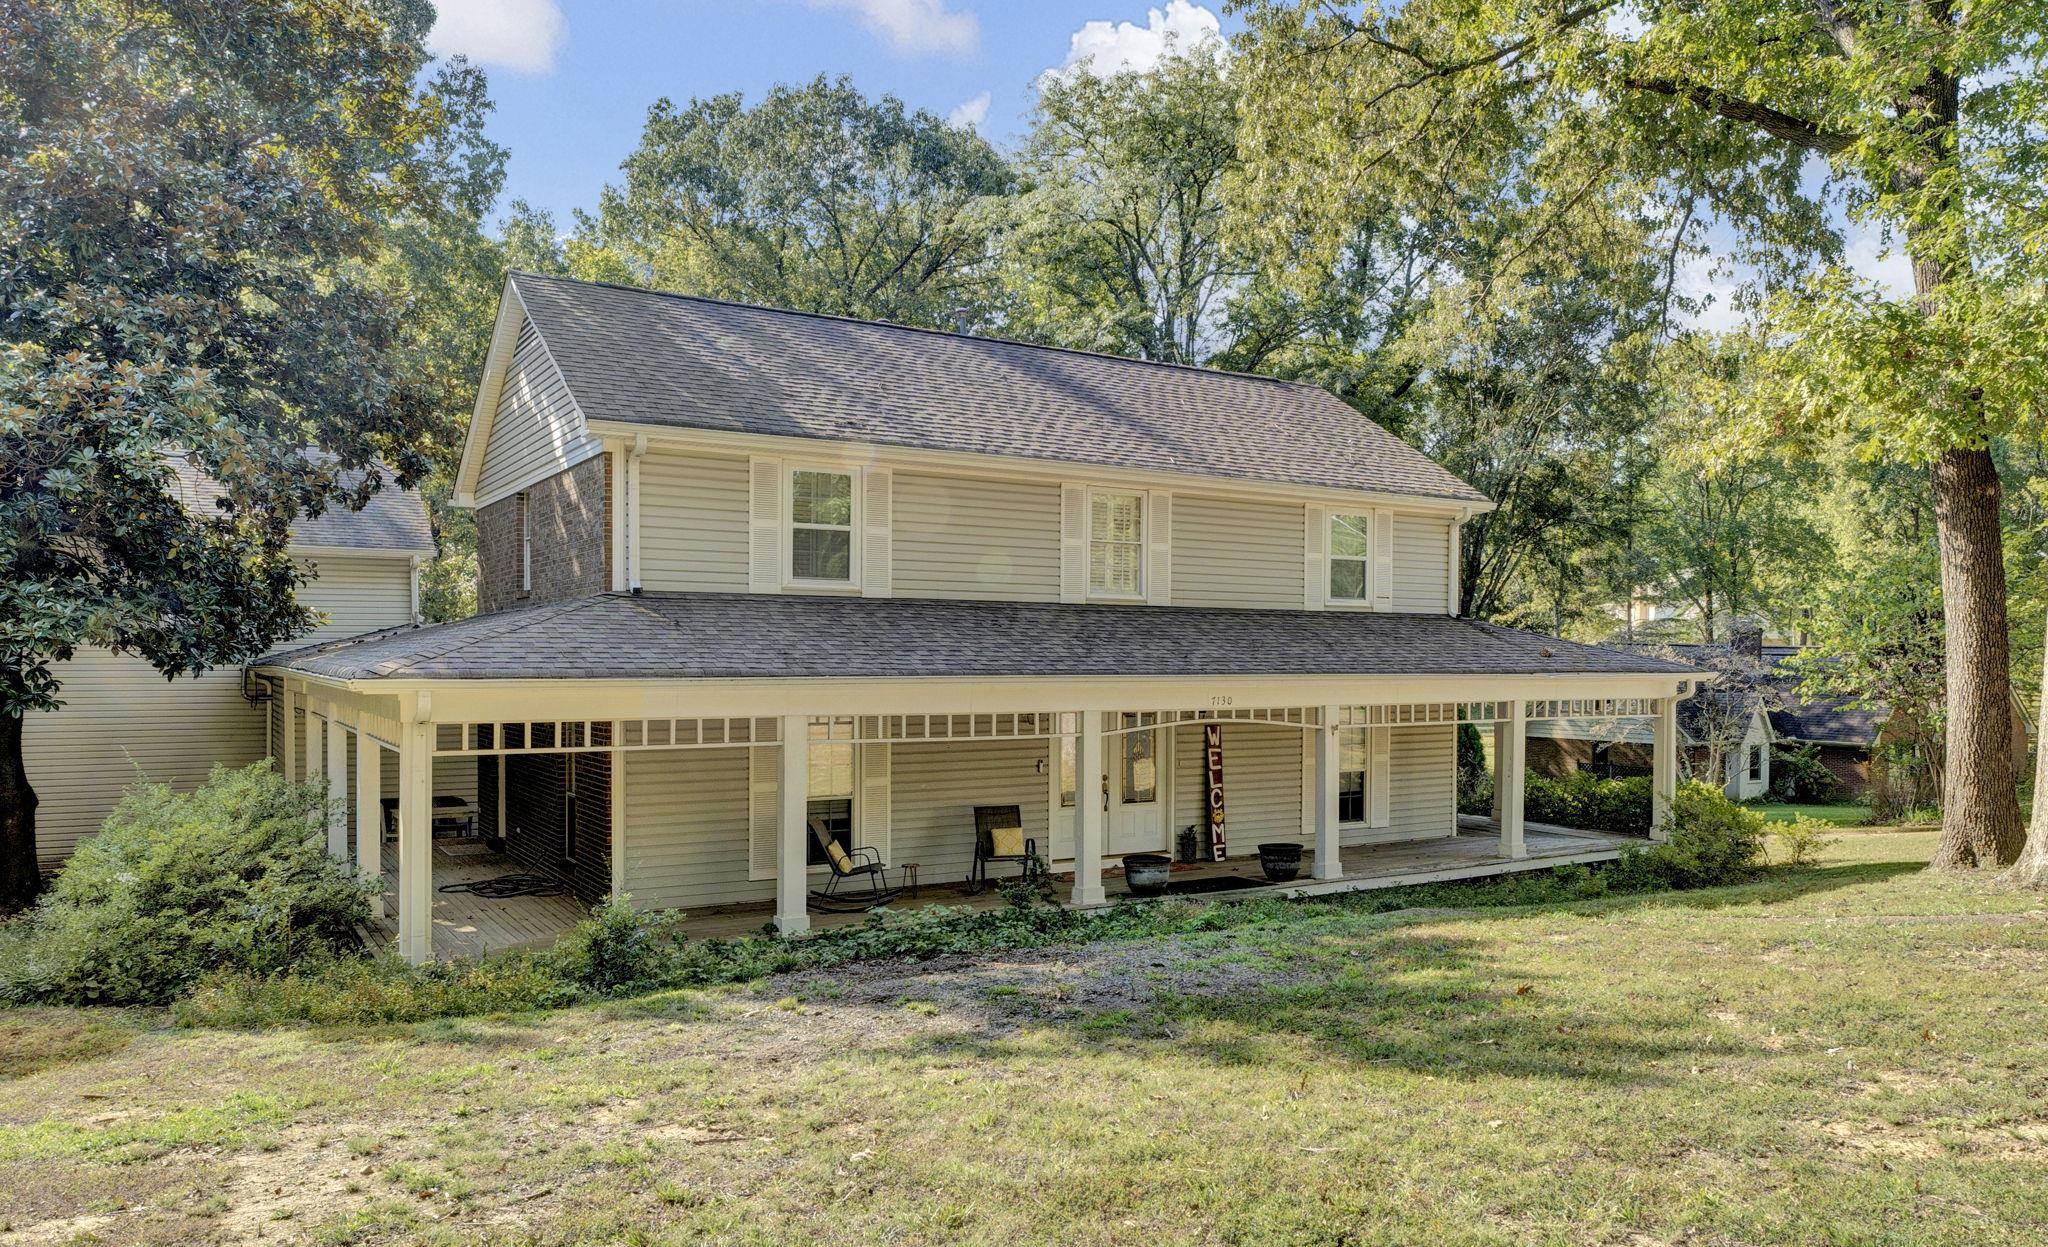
[1849, 1054]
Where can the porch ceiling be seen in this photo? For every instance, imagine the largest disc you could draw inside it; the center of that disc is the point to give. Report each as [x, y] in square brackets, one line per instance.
[721, 636]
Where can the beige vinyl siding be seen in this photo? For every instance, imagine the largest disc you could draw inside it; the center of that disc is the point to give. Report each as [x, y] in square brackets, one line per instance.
[122, 723]
[1422, 787]
[1422, 564]
[355, 594]
[693, 522]
[536, 430]
[1261, 783]
[1229, 553]
[685, 839]
[978, 539]
[935, 787]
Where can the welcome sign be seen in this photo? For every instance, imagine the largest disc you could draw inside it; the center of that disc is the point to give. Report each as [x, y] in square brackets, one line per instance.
[1212, 758]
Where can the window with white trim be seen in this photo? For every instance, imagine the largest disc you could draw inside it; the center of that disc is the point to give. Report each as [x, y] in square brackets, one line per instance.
[1350, 558]
[1352, 760]
[829, 796]
[525, 543]
[1116, 544]
[821, 526]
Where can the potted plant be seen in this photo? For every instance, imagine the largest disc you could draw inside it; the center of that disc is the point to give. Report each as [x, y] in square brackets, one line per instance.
[1281, 860]
[1146, 873]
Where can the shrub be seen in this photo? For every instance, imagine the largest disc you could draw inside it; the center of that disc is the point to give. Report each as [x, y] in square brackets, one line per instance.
[1581, 800]
[372, 991]
[618, 949]
[1798, 775]
[179, 885]
[1802, 839]
[1713, 841]
[1475, 778]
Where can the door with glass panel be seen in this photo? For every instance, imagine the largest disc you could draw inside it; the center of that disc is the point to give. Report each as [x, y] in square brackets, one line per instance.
[1133, 792]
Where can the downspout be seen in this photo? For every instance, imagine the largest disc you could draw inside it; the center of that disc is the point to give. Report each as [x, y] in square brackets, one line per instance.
[633, 512]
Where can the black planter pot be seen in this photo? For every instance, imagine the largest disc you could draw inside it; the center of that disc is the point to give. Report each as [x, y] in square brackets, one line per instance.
[1146, 873]
[1281, 862]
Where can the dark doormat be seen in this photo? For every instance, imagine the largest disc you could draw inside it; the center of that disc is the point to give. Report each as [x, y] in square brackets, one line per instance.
[1214, 883]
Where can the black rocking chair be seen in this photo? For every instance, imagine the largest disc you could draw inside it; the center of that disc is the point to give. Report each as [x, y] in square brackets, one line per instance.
[862, 863]
[999, 837]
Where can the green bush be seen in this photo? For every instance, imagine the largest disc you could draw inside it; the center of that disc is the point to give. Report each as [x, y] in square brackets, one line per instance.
[1802, 839]
[372, 991]
[1713, 841]
[1584, 801]
[180, 885]
[1798, 775]
[618, 949]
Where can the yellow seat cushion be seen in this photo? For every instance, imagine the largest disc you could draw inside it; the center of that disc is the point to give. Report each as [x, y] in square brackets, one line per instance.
[840, 861]
[1008, 841]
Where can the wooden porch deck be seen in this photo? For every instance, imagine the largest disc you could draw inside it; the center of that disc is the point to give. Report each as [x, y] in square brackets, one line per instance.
[466, 925]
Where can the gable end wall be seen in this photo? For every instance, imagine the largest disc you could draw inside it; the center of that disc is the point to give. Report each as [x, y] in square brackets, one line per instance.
[569, 513]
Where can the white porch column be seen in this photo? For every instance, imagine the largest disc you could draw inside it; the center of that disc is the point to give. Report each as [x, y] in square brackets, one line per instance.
[316, 764]
[1329, 857]
[1509, 779]
[416, 843]
[288, 748]
[1500, 751]
[1089, 821]
[1663, 767]
[370, 816]
[337, 792]
[792, 878]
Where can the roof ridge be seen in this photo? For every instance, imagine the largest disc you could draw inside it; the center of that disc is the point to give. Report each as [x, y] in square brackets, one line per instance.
[939, 333]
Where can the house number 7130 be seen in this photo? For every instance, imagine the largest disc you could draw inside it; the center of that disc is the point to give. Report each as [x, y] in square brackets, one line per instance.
[1223, 701]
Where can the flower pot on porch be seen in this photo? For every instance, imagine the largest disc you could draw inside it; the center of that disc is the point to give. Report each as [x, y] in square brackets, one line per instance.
[1281, 862]
[1146, 873]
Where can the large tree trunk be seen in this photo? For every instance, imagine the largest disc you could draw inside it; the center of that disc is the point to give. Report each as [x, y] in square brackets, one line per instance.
[20, 879]
[2032, 868]
[1980, 813]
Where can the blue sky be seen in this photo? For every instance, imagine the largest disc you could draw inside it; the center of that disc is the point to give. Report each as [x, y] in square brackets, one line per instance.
[573, 80]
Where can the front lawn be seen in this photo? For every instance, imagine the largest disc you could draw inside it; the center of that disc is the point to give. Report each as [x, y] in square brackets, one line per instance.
[1849, 1054]
[1842, 814]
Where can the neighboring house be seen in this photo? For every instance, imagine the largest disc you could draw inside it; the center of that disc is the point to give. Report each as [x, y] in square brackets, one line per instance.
[1843, 735]
[748, 573]
[123, 723]
[1616, 748]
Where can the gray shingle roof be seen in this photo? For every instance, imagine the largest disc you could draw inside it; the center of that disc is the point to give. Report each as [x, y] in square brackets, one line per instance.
[748, 636]
[394, 519]
[1830, 720]
[648, 357]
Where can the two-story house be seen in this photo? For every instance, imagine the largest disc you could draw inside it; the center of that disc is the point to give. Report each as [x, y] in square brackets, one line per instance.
[744, 571]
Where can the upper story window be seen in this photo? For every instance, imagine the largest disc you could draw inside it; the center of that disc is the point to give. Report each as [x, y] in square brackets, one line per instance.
[821, 520]
[1350, 558]
[1116, 544]
[525, 509]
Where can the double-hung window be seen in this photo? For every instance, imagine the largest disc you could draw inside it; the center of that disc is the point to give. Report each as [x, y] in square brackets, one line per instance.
[821, 526]
[1116, 544]
[1350, 558]
[1351, 764]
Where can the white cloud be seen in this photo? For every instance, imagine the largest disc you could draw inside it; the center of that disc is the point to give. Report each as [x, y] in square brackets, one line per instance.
[915, 27]
[1106, 48]
[519, 35]
[970, 114]
[1868, 254]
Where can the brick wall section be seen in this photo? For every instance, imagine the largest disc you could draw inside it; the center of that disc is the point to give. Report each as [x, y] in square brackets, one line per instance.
[570, 519]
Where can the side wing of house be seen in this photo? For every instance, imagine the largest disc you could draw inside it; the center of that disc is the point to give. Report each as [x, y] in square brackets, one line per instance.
[124, 724]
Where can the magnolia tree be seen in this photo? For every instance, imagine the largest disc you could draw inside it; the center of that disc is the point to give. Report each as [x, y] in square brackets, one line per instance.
[1776, 118]
[195, 207]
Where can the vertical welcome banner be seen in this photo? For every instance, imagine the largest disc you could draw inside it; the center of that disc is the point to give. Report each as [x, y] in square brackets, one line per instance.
[1212, 759]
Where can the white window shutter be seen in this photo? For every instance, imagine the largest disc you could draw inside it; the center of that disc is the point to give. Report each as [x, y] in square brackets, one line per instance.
[1073, 544]
[1379, 746]
[1315, 558]
[1159, 549]
[764, 809]
[1382, 560]
[876, 523]
[874, 799]
[764, 561]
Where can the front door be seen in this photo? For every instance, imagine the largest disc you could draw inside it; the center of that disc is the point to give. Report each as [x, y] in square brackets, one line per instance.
[1134, 792]
[1137, 792]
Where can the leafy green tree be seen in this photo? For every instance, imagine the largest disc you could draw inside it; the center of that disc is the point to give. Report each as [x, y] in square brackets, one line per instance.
[816, 198]
[1927, 122]
[193, 201]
